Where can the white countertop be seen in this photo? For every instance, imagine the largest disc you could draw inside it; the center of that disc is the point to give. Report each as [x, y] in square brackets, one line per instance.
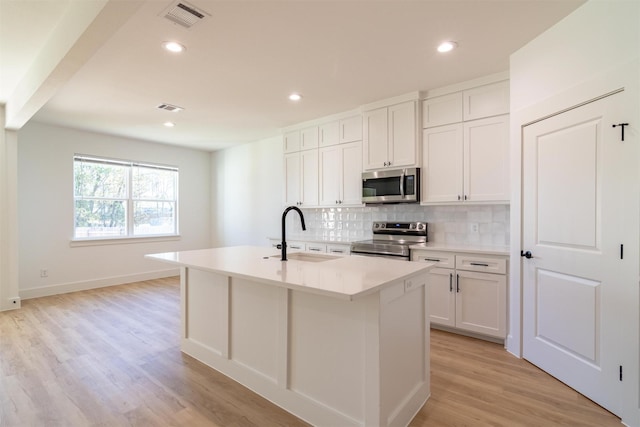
[448, 247]
[347, 277]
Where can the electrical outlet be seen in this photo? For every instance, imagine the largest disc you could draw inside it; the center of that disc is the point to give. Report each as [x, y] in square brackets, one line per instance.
[44, 273]
[473, 227]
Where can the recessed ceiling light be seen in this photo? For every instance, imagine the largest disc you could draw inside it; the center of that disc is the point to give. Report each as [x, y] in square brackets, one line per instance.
[447, 46]
[295, 97]
[174, 47]
[169, 124]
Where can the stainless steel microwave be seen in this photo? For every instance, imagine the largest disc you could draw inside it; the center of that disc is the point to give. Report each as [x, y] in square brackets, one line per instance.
[391, 186]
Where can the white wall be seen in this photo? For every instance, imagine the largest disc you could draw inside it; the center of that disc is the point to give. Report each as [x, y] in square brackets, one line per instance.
[587, 54]
[246, 183]
[45, 211]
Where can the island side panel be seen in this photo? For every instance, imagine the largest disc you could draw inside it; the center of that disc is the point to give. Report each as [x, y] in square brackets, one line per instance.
[404, 352]
[205, 312]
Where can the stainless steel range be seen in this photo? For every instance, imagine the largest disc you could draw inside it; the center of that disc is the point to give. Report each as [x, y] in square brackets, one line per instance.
[392, 239]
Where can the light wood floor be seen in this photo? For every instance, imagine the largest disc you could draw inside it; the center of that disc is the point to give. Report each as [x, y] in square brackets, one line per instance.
[111, 357]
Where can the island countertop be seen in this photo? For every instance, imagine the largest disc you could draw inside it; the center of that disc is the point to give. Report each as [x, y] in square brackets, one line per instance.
[347, 277]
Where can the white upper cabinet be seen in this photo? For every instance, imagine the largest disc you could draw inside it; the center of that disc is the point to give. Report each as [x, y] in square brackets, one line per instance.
[486, 101]
[301, 178]
[442, 163]
[329, 134]
[291, 142]
[351, 129]
[466, 162]
[442, 110]
[341, 174]
[486, 159]
[389, 137]
[309, 138]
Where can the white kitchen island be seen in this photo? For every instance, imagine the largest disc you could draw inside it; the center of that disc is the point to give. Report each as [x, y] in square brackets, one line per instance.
[337, 341]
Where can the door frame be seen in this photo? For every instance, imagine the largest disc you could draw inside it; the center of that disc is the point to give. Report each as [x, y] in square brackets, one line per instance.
[625, 77]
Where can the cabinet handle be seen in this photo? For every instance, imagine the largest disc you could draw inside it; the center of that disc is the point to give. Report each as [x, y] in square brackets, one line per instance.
[450, 282]
[431, 259]
[480, 264]
[315, 249]
[465, 197]
[457, 283]
[459, 197]
[343, 131]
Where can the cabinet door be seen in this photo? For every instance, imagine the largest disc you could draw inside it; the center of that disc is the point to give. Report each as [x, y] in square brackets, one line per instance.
[328, 134]
[486, 159]
[351, 174]
[442, 110]
[292, 170]
[309, 138]
[351, 129]
[291, 142]
[486, 101]
[442, 163]
[442, 301]
[481, 303]
[330, 166]
[402, 134]
[375, 136]
[309, 177]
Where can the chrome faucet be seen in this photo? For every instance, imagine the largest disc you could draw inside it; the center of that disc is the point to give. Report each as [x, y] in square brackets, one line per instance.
[283, 245]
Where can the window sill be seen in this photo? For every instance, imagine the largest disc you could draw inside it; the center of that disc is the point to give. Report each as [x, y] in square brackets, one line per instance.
[102, 241]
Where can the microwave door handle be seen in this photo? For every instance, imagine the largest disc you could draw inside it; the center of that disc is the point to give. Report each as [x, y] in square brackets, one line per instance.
[402, 184]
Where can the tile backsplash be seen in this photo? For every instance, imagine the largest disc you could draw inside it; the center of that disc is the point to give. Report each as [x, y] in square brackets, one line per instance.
[459, 224]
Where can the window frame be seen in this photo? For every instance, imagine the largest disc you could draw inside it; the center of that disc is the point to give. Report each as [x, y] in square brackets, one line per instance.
[129, 201]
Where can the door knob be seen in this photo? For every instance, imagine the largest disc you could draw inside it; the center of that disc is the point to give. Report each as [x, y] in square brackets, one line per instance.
[526, 254]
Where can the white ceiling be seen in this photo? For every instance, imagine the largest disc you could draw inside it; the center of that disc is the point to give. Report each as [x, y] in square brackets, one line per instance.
[244, 59]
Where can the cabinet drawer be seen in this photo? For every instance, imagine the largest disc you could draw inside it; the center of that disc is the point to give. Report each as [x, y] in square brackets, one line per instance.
[339, 249]
[299, 246]
[485, 264]
[442, 259]
[316, 247]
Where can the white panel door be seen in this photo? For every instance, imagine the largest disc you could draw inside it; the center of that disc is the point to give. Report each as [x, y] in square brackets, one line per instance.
[580, 192]
[442, 164]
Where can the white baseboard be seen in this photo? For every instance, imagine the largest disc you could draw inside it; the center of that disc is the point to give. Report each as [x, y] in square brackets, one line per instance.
[64, 288]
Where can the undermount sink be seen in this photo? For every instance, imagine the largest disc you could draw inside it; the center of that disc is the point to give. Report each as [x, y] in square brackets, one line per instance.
[301, 256]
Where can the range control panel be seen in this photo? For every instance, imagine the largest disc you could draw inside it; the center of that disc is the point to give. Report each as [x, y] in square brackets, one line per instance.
[400, 228]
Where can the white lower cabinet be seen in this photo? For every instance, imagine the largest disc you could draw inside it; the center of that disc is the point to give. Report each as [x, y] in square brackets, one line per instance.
[467, 291]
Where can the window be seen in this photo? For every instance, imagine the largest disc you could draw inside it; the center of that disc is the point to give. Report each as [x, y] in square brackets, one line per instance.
[115, 198]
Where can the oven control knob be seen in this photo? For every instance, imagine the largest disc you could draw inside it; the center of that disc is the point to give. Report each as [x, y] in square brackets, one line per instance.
[412, 226]
[381, 225]
[420, 226]
[376, 225]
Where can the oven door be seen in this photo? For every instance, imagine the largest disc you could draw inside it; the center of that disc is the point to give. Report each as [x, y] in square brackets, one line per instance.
[391, 186]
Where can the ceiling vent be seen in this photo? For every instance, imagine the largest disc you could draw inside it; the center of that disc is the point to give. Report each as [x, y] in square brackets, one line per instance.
[184, 14]
[169, 107]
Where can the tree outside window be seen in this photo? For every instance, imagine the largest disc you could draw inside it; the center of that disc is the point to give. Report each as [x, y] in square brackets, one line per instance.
[115, 198]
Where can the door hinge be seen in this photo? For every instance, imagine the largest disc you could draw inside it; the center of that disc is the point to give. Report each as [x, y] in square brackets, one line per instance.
[621, 251]
[620, 372]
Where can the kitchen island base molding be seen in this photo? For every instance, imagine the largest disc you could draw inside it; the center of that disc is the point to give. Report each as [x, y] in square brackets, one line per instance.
[329, 361]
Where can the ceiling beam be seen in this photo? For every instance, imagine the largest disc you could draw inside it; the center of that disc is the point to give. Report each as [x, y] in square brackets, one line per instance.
[83, 29]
